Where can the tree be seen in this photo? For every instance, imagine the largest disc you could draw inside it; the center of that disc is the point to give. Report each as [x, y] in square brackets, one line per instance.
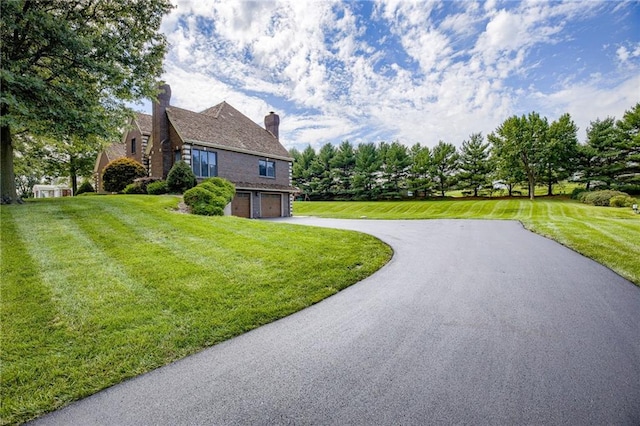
[629, 145]
[301, 170]
[475, 166]
[561, 151]
[322, 183]
[419, 177]
[605, 163]
[342, 166]
[445, 163]
[180, 178]
[521, 141]
[366, 171]
[68, 67]
[395, 165]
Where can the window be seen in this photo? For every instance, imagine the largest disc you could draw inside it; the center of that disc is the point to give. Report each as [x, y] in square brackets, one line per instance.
[204, 163]
[267, 168]
[133, 145]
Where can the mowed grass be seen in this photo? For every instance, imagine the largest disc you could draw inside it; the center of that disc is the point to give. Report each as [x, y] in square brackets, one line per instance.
[99, 289]
[607, 235]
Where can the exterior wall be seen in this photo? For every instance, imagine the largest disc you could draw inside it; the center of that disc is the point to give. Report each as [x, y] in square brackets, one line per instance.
[97, 181]
[239, 167]
[134, 133]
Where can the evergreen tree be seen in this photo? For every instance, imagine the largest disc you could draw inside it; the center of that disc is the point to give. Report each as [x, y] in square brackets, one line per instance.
[322, 184]
[343, 165]
[607, 161]
[561, 151]
[395, 166]
[366, 171]
[445, 164]
[419, 176]
[475, 166]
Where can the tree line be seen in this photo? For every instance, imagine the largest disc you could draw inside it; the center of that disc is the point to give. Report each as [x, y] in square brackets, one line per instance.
[524, 150]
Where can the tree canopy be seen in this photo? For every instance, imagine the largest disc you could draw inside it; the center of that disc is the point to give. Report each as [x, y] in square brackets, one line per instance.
[68, 67]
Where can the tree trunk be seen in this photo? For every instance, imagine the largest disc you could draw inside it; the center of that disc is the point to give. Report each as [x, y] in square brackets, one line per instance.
[73, 175]
[532, 190]
[7, 177]
[549, 183]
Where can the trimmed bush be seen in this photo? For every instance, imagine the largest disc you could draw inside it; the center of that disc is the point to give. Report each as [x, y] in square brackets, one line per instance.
[622, 201]
[120, 173]
[600, 198]
[157, 188]
[198, 195]
[85, 187]
[181, 177]
[133, 188]
[210, 197]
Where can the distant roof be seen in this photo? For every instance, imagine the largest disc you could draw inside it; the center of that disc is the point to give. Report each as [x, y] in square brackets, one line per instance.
[115, 151]
[226, 127]
[145, 122]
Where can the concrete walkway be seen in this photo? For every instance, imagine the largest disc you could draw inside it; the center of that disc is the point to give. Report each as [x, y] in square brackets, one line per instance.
[472, 322]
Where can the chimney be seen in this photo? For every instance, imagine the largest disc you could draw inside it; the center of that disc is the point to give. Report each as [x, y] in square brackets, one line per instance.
[161, 163]
[271, 123]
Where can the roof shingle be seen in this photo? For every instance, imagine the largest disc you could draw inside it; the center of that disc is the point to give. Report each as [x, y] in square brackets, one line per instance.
[224, 126]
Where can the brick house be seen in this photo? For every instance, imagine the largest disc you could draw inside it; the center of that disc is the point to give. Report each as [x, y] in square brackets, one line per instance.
[133, 145]
[219, 141]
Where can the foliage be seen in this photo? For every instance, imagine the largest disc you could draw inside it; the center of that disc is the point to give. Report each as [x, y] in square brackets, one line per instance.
[622, 201]
[444, 159]
[394, 170]
[210, 197]
[181, 178]
[600, 198]
[475, 166]
[575, 193]
[520, 144]
[84, 188]
[560, 151]
[69, 69]
[121, 172]
[419, 175]
[157, 188]
[366, 170]
[133, 286]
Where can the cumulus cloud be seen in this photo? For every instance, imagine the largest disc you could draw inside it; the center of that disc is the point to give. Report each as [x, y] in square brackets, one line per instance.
[412, 71]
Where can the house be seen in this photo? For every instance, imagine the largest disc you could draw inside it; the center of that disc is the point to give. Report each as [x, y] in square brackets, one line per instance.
[51, 191]
[133, 145]
[219, 141]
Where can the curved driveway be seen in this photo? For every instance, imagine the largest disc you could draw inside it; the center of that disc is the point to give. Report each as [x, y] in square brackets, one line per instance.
[472, 322]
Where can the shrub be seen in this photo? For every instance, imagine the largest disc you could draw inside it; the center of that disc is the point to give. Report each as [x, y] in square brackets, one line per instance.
[210, 197]
[144, 182]
[198, 195]
[85, 187]
[133, 188]
[120, 173]
[181, 177]
[157, 188]
[600, 198]
[622, 201]
[575, 194]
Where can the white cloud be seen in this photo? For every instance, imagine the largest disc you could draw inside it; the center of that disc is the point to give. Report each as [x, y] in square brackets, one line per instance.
[433, 78]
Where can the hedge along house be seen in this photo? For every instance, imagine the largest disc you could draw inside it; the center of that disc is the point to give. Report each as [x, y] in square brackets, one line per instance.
[221, 141]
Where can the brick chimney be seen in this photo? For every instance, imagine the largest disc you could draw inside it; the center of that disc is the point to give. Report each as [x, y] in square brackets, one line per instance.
[271, 123]
[161, 161]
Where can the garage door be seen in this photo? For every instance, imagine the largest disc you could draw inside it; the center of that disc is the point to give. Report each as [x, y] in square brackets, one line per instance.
[241, 205]
[271, 205]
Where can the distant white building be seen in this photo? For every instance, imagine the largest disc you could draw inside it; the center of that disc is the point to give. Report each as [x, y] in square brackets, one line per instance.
[51, 191]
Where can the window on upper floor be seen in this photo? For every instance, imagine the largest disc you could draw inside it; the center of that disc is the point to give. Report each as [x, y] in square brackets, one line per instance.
[204, 163]
[133, 145]
[267, 168]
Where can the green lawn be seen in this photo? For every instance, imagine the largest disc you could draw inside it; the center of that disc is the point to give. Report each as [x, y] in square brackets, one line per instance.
[608, 235]
[99, 289]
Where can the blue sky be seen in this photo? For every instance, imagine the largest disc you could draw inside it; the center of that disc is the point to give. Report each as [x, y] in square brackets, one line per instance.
[412, 71]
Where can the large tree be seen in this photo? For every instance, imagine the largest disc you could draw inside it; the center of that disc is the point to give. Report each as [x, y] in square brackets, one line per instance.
[475, 166]
[521, 142]
[342, 166]
[419, 177]
[606, 162]
[444, 159]
[395, 165]
[629, 145]
[561, 151]
[68, 67]
[366, 171]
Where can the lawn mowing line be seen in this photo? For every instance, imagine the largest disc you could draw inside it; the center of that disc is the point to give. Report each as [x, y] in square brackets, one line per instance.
[66, 289]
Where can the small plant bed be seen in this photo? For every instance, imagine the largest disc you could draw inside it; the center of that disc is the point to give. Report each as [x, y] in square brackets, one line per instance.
[99, 289]
[607, 235]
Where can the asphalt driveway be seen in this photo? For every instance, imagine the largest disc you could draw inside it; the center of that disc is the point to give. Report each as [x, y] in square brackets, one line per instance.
[472, 322]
